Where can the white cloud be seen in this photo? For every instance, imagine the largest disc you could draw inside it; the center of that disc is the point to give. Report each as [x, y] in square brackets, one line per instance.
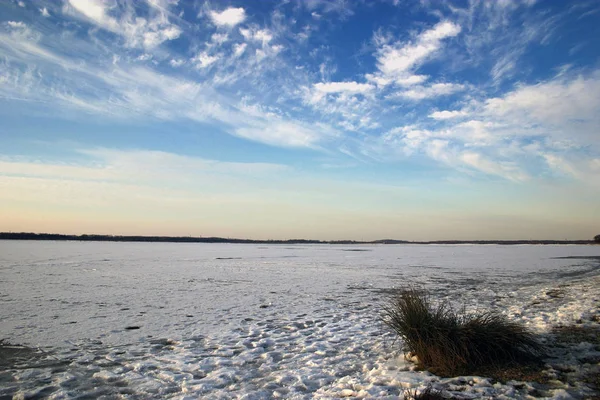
[411, 80]
[551, 124]
[229, 17]
[505, 135]
[176, 62]
[435, 90]
[157, 36]
[555, 101]
[276, 49]
[474, 132]
[504, 67]
[340, 7]
[44, 12]
[16, 24]
[505, 170]
[442, 115]
[259, 55]
[497, 34]
[20, 40]
[408, 138]
[439, 150]
[455, 147]
[22, 44]
[283, 134]
[342, 101]
[576, 167]
[239, 49]
[396, 62]
[219, 38]
[561, 110]
[129, 92]
[203, 59]
[348, 103]
[95, 10]
[137, 31]
[378, 79]
[263, 36]
[560, 164]
[343, 87]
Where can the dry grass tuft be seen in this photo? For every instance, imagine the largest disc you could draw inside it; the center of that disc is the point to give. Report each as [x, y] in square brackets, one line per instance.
[448, 343]
[429, 393]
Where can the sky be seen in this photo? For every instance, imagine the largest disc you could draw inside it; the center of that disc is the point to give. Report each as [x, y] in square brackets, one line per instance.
[364, 120]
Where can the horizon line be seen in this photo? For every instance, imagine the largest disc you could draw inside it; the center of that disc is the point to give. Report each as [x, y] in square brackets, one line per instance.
[216, 239]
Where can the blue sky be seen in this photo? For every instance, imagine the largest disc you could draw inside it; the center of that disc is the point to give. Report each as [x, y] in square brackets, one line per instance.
[301, 119]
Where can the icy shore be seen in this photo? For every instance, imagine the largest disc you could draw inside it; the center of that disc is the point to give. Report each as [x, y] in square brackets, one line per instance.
[260, 323]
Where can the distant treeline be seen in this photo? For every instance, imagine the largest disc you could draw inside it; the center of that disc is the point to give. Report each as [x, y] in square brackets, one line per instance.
[189, 239]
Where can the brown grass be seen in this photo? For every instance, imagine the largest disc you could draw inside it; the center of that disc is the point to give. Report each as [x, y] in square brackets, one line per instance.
[577, 334]
[450, 343]
[429, 393]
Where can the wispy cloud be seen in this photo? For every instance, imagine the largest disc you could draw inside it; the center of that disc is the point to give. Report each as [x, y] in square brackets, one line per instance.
[520, 132]
[397, 61]
[341, 8]
[449, 88]
[504, 169]
[138, 167]
[130, 91]
[434, 90]
[259, 35]
[137, 31]
[203, 59]
[285, 133]
[497, 34]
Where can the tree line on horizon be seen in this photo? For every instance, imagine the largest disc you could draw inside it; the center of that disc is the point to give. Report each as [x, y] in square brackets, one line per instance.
[191, 239]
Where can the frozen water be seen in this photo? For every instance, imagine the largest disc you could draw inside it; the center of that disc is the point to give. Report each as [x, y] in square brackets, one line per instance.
[142, 320]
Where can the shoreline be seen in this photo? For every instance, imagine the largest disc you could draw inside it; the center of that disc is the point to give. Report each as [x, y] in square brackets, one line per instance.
[191, 239]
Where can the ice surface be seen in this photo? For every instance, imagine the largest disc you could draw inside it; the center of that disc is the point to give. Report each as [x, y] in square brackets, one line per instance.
[143, 320]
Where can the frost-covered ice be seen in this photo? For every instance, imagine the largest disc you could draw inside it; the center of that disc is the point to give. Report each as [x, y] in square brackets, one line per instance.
[143, 320]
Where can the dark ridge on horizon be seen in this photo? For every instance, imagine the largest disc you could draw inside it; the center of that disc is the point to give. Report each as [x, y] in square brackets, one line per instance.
[190, 239]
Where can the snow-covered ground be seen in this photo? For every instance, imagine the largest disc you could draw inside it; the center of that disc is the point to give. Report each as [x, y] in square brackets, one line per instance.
[149, 320]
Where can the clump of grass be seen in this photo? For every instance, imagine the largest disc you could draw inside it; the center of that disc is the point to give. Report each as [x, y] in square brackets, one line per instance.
[429, 393]
[448, 342]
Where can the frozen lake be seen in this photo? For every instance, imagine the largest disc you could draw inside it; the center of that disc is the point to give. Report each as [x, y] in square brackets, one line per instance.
[143, 320]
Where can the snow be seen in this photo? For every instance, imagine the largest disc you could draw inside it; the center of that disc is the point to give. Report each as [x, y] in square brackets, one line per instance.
[258, 322]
